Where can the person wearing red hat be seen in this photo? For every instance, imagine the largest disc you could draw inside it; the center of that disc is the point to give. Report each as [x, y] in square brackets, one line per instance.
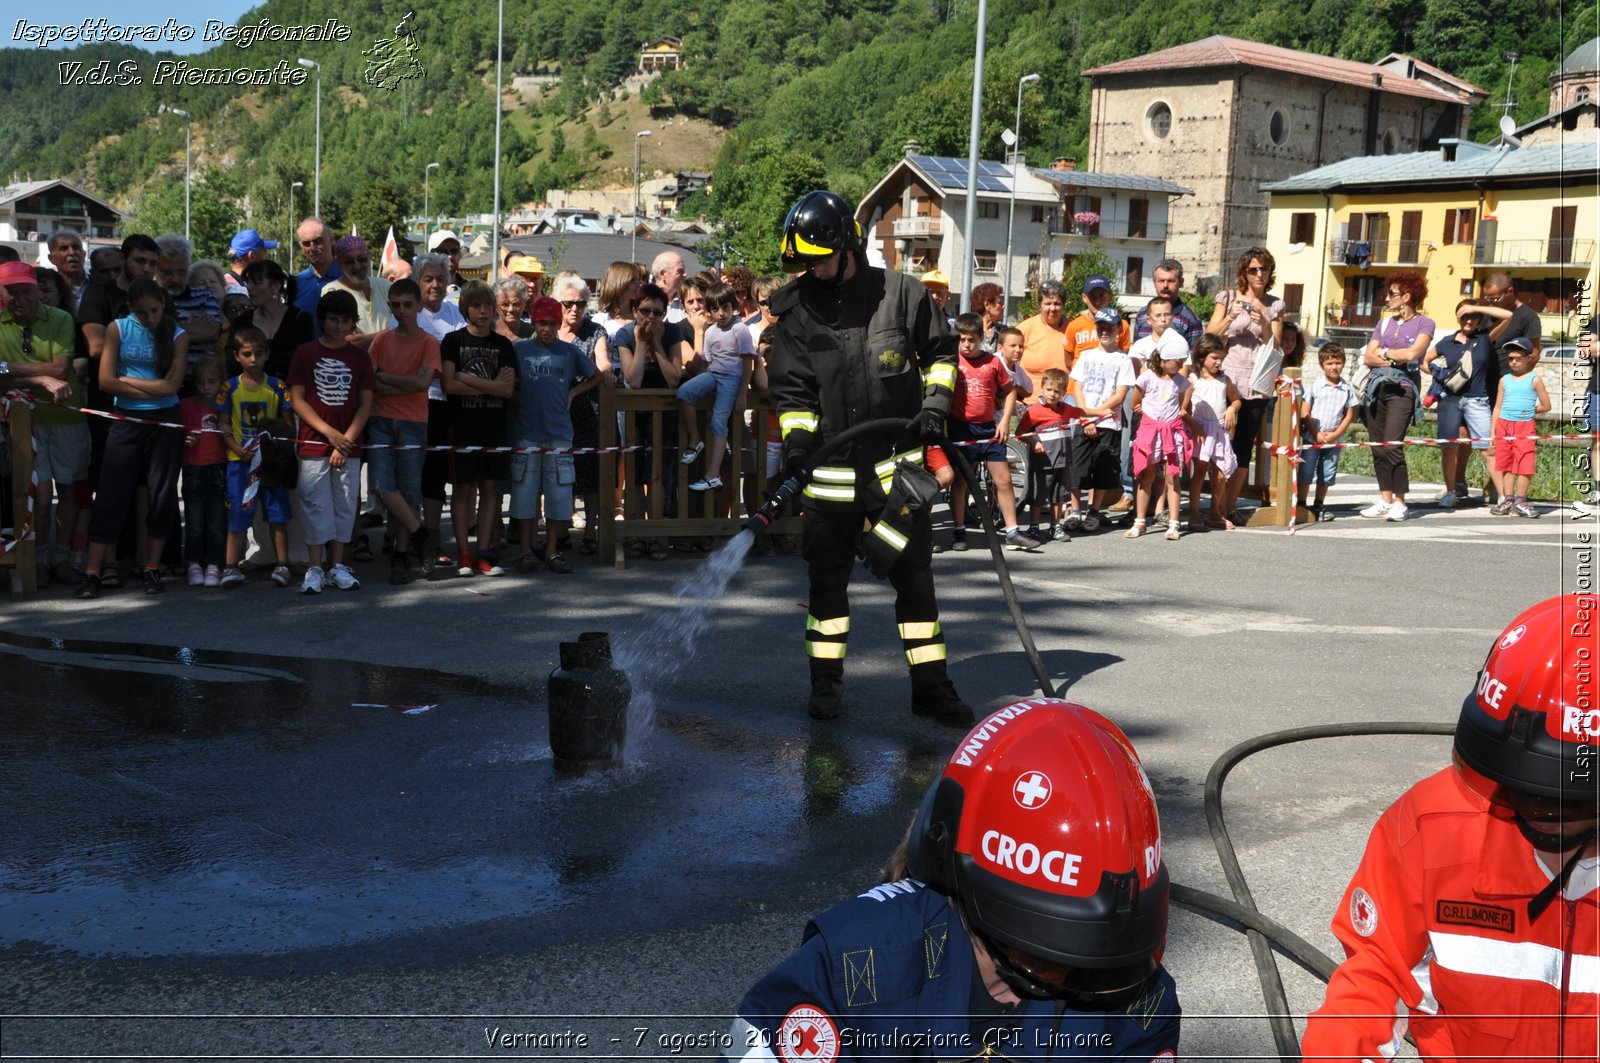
[1472, 926]
[1024, 916]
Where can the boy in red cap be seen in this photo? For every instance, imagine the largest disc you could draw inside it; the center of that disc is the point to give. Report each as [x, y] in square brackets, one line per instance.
[550, 373]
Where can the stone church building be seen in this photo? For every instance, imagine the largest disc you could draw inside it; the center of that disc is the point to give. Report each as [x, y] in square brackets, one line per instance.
[1223, 115]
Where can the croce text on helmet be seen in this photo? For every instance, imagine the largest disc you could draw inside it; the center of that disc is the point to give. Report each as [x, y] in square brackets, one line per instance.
[821, 223]
[1531, 717]
[1043, 827]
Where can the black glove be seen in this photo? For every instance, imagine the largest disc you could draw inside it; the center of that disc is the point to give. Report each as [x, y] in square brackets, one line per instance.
[929, 424]
[795, 462]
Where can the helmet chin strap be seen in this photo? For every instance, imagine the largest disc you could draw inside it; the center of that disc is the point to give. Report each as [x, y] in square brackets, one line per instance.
[1554, 843]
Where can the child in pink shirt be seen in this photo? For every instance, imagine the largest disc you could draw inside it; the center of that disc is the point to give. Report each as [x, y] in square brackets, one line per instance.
[205, 478]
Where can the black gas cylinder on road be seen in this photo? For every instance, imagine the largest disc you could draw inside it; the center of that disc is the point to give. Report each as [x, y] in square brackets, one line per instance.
[588, 700]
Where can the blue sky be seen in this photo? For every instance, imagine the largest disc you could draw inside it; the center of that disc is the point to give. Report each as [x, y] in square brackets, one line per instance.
[184, 12]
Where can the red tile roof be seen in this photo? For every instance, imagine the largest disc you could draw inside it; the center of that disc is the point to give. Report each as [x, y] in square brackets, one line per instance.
[1231, 51]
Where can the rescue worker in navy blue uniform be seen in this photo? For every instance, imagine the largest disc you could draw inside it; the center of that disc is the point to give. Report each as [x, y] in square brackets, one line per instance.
[856, 343]
[1023, 918]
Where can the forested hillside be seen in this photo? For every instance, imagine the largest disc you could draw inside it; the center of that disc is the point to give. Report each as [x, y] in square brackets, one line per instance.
[824, 90]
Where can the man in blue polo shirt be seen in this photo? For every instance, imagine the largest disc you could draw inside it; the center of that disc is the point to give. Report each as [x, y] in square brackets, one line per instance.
[317, 244]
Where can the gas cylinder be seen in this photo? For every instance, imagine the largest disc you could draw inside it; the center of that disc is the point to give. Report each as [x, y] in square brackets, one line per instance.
[588, 699]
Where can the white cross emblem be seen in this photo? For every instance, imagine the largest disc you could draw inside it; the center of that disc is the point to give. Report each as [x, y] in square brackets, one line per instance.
[1032, 790]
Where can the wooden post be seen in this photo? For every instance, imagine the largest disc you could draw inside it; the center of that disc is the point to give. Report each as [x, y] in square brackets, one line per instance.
[1277, 484]
[21, 559]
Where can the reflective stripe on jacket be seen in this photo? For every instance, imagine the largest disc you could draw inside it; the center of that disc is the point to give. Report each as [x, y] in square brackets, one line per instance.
[1438, 942]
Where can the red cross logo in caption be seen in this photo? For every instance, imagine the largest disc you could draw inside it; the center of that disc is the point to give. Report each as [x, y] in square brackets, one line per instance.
[1032, 789]
[808, 1035]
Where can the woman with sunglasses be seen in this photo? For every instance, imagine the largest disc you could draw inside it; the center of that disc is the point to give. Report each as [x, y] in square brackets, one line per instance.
[1395, 354]
[1246, 317]
[572, 291]
[652, 352]
[1024, 916]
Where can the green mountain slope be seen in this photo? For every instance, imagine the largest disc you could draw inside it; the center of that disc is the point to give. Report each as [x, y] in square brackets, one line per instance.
[833, 89]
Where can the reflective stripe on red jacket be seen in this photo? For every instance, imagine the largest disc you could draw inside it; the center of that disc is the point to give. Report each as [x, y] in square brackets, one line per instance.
[1438, 941]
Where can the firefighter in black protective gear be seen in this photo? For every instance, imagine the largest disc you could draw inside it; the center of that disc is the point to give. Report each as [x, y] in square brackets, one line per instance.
[856, 343]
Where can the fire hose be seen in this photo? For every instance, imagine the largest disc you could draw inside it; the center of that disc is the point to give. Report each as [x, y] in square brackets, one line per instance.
[1265, 934]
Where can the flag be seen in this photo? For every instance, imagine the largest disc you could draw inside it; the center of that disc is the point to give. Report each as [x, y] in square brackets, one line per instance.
[391, 252]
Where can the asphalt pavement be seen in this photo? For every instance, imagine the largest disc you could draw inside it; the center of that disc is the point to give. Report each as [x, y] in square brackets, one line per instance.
[252, 823]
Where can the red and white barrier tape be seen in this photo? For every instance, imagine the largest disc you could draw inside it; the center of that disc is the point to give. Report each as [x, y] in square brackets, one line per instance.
[112, 415]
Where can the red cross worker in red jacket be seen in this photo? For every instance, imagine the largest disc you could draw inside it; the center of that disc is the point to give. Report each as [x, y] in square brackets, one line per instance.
[1472, 926]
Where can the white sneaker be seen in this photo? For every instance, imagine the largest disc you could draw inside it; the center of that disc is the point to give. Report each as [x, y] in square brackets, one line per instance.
[1398, 511]
[343, 578]
[312, 584]
[1379, 508]
[1587, 506]
[197, 575]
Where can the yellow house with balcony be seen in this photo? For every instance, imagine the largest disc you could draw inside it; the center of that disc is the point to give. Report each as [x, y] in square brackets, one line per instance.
[1457, 215]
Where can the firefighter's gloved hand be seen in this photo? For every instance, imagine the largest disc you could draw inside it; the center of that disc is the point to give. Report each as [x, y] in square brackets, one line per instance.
[796, 461]
[929, 425]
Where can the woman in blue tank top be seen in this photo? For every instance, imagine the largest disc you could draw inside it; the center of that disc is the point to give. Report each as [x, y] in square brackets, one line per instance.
[141, 367]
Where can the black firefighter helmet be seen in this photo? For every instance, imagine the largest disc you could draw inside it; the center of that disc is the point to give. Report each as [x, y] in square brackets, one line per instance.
[821, 223]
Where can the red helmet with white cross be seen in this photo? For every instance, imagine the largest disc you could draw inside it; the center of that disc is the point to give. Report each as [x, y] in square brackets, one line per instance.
[1043, 827]
[1531, 722]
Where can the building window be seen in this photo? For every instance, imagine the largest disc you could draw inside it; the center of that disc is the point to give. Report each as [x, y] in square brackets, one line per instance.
[1391, 143]
[1138, 220]
[1158, 120]
[1581, 95]
[1086, 215]
[1038, 215]
[1458, 226]
[988, 210]
[985, 261]
[1135, 276]
[1410, 237]
[1278, 128]
[1563, 224]
[1293, 296]
[1302, 227]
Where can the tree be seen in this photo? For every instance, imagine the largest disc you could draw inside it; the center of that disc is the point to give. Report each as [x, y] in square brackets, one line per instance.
[375, 206]
[1084, 265]
[214, 208]
[750, 200]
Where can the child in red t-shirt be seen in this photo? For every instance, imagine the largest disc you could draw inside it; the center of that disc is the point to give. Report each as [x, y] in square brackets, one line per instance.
[205, 478]
[983, 384]
[331, 386]
[1050, 479]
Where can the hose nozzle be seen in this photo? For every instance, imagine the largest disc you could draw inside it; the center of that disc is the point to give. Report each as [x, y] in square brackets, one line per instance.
[775, 503]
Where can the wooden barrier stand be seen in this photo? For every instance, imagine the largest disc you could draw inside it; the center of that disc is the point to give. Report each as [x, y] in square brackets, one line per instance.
[1272, 475]
[24, 574]
[650, 417]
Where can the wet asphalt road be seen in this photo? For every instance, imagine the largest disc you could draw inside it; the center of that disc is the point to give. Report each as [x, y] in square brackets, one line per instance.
[190, 834]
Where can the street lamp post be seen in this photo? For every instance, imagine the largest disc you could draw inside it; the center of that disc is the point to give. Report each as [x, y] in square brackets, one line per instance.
[1016, 168]
[188, 129]
[640, 135]
[291, 230]
[499, 106]
[971, 233]
[316, 188]
[427, 215]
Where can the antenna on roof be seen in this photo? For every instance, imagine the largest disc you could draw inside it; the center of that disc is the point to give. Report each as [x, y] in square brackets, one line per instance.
[1510, 57]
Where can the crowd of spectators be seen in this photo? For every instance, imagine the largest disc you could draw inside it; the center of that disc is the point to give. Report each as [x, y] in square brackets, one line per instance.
[1110, 417]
